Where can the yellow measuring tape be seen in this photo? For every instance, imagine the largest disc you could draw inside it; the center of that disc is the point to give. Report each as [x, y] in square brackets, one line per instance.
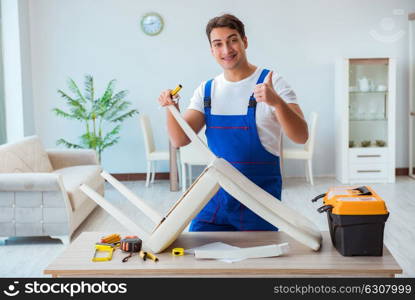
[177, 251]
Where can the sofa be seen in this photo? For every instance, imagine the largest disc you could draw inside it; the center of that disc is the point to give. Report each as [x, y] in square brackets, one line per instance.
[39, 189]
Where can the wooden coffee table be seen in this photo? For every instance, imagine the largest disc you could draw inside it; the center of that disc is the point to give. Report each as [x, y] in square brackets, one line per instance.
[75, 261]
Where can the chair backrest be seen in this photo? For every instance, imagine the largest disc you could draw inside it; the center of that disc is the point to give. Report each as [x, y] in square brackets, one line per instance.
[309, 145]
[147, 133]
[190, 155]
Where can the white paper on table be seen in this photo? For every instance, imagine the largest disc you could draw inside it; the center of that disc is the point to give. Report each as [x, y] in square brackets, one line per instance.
[236, 253]
[217, 246]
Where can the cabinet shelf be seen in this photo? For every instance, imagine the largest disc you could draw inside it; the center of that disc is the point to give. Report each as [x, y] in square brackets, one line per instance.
[368, 120]
[369, 92]
[371, 147]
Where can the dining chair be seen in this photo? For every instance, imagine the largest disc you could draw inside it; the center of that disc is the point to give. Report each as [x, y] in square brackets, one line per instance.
[307, 152]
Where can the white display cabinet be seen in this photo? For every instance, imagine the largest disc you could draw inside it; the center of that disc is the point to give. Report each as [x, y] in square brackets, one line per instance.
[412, 95]
[365, 92]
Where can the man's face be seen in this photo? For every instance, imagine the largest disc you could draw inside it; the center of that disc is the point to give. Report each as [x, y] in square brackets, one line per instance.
[228, 47]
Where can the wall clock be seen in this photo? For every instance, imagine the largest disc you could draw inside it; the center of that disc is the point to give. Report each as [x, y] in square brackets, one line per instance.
[152, 24]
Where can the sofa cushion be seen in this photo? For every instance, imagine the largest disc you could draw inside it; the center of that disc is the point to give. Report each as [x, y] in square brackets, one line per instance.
[26, 155]
[73, 177]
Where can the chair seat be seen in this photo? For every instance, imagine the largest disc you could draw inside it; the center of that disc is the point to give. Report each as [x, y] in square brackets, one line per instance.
[190, 156]
[195, 162]
[296, 154]
[159, 155]
[73, 177]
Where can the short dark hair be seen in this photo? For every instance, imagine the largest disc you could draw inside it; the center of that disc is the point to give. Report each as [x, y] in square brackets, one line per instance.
[226, 20]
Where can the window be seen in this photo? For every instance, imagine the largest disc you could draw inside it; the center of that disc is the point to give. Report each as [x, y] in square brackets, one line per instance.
[2, 102]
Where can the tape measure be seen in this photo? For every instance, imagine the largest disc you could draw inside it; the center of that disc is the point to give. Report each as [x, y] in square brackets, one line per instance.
[177, 251]
[130, 244]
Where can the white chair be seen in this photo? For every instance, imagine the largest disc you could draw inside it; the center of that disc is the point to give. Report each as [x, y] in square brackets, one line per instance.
[189, 156]
[307, 152]
[151, 154]
[219, 173]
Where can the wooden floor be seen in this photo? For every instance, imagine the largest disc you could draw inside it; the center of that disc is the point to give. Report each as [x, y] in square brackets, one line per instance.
[27, 257]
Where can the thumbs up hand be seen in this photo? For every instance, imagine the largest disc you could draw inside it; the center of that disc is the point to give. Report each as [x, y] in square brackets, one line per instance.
[265, 92]
[268, 80]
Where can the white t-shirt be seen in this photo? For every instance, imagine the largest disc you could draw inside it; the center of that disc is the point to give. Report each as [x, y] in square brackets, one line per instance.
[232, 98]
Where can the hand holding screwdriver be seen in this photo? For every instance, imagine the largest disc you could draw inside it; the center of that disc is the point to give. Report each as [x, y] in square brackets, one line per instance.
[168, 97]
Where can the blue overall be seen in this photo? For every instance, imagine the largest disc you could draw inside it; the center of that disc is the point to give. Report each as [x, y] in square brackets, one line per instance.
[235, 138]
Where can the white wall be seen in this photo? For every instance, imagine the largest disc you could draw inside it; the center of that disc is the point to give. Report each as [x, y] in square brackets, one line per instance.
[299, 38]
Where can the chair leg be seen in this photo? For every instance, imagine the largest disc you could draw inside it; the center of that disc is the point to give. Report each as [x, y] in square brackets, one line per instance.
[307, 174]
[179, 167]
[184, 179]
[190, 175]
[310, 171]
[148, 172]
[153, 175]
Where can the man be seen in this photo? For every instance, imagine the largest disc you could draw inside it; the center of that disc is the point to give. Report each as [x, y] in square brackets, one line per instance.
[245, 109]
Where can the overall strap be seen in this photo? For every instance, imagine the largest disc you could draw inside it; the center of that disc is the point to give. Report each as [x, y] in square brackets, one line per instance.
[252, 100]
[207, 96]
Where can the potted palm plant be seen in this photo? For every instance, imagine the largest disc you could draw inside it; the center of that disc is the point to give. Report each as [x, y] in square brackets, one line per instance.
[96, 114]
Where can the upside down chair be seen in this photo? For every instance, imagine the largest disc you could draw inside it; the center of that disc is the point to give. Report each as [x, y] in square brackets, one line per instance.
[218, 173]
